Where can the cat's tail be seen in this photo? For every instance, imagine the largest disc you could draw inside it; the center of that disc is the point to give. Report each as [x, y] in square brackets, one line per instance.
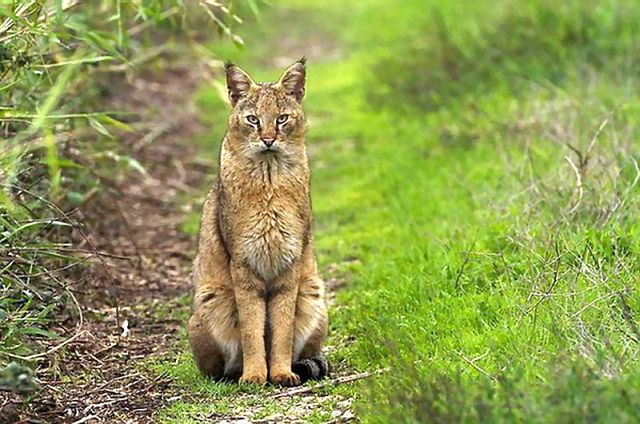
[315, 368]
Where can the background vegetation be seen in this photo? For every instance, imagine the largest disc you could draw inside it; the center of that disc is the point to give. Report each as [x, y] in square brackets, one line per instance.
[475, 184]
[499, 244]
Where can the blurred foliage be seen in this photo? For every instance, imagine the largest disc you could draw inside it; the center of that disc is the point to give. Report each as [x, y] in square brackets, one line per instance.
[576, 393]
[17, 378]
[542, 42]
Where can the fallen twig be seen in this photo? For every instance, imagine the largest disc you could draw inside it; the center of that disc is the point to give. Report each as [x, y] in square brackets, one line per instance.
[85, 419]
[333, 382]
[477, 368]
[579, 187]
[100, 405]
[464, 264]
[122, 377]
[554, 283]
[48, 352]
[105, 349]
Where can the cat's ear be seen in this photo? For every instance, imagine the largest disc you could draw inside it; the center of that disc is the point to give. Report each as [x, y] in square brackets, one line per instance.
[293, 79]
[238, 82]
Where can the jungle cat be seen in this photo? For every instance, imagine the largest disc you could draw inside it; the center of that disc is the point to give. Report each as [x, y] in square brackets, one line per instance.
[259, 309]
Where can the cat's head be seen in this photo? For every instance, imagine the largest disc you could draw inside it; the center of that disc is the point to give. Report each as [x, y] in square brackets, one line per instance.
[267, 118]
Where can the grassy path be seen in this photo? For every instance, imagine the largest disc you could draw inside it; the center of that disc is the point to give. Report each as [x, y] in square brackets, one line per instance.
[211, 401]
[476, 200]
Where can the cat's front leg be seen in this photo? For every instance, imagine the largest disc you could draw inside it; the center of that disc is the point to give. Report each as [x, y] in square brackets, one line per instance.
[281, 308]
[250, 296]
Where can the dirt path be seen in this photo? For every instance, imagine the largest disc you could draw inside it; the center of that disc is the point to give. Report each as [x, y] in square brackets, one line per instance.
[143, 268]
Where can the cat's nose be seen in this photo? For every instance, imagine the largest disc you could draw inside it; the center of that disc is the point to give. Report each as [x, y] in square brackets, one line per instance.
[268, 141]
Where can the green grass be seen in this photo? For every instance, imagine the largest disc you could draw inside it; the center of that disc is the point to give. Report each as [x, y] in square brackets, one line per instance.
[474, 180]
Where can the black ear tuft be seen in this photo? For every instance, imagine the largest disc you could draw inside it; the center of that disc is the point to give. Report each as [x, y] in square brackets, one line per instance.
[294, 78]
[238, 82]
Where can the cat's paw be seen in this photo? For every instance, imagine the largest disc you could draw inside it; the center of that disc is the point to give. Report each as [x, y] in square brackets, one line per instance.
[285, 379]
[260, 379]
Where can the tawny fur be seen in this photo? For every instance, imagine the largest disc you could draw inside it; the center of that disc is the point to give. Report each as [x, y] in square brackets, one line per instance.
[259, 303]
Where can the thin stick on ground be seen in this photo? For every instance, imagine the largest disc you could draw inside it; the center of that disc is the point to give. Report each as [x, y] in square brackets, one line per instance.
[50, 351]
[333, 382]
[476, 367]
[464, 264]
[579, 188]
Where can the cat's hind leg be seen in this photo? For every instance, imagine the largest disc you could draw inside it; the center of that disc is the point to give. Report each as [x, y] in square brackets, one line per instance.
[206, 352]
[310, 331]
[214, 334]
[312, 364]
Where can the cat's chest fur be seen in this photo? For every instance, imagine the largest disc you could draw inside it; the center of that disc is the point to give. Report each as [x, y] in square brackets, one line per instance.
[268, 225]
[271, 236]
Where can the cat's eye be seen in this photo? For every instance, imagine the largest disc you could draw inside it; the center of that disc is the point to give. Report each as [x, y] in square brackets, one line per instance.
[252, 119]
[282, 119]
